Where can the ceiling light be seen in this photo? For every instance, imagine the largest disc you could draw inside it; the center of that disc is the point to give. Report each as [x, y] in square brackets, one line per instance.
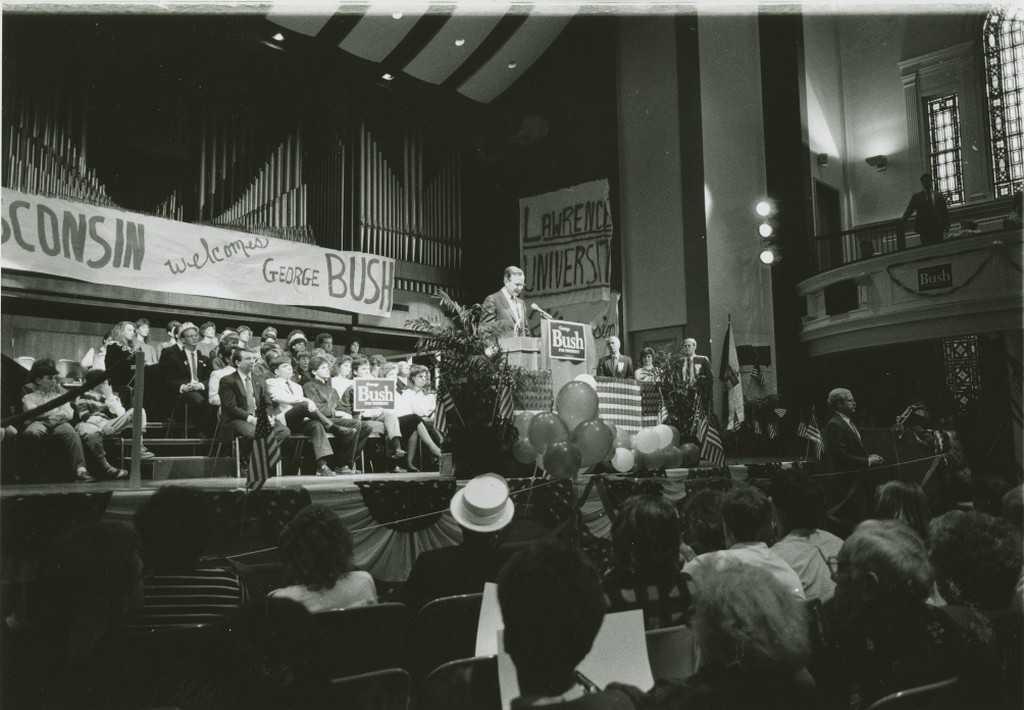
[763, 208]
[513, 64]
[396, 15]
[459, 42]
[387, 76]
[278, 37]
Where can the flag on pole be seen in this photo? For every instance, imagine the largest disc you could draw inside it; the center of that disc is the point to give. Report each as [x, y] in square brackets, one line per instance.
[504, 410]
[729, 373]
[812, 433]
[444, 406]
[711, 448]
[266, 452]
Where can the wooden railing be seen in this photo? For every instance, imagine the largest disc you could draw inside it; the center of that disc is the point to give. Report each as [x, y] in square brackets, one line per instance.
[868, 240]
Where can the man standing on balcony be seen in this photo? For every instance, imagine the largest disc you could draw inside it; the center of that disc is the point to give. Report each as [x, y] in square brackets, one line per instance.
[931, 217]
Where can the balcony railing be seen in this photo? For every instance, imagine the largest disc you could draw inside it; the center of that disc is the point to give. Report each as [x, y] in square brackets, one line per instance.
[868, 240]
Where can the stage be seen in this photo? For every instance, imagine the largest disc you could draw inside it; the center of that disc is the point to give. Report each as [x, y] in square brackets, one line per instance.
[392, 517]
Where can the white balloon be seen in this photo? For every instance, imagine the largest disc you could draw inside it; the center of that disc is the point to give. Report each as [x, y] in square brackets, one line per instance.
[623, 460]
[589, 379]
[664, 432]
[647, 440]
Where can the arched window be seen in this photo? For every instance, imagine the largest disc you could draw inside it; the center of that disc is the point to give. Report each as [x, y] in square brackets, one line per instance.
[1003, 37]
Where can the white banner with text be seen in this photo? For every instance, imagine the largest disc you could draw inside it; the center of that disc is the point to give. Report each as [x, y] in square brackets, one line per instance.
[566, 239]
[108, 246]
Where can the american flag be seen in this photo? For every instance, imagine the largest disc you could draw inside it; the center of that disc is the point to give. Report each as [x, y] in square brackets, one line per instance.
[652, 405]
[812, 433]
[504, 409]
[619, 403]
[444, 406]
[711, 448]
[266, 452]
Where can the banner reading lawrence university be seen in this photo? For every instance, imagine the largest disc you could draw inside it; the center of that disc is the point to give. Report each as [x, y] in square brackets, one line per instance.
[566, 239]
[107, 246]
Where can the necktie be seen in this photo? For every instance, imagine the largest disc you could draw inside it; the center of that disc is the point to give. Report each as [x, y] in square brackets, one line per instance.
[250, 398]
[192, 365]
[689, 370]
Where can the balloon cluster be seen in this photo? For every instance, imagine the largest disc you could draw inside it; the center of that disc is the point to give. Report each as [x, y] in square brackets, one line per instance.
[573, 438]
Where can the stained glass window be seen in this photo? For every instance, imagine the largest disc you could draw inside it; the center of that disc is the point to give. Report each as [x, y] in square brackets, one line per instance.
[1003, 36]
[944, 146]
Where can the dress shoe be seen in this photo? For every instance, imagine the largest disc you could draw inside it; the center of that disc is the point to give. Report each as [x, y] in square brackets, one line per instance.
[346, 471]
[145, 454]
[82, 475]
[325, 471]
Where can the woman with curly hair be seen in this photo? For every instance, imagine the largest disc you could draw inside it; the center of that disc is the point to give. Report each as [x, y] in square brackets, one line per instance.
[646, 572]
[120, 358]
[317, 551]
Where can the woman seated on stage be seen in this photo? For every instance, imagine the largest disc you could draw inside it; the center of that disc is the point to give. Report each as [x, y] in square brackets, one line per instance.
[415, 407]
[317, 552]
[119, 359]
[646, 573]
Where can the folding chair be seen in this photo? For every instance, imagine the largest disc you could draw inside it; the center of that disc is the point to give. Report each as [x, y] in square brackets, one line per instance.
[465, 684]
[672, 652]
[388, 689]
[365, 638]
[443, 630]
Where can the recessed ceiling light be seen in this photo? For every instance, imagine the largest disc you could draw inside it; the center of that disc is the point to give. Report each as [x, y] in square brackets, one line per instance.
[459, 42]
[396, 15]
[386, 76]
[278, 37]
[513, 64]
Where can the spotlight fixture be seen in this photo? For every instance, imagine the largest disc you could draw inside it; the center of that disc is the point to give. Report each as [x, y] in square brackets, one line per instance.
[878, 162]
[396, 15]
[459, 42]
[763, 208]
[769, 256]
[387, 76]
[513, 64]
[278, 37]
[765, 229]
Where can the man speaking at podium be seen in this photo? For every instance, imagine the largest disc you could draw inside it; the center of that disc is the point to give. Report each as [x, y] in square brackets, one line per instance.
[504, 312]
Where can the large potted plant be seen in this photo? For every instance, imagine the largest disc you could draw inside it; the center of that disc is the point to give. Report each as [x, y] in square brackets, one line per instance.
[472, 373]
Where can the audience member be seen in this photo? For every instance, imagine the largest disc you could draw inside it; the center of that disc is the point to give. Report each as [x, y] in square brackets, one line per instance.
[342, 379]
[881, 635]
[317, 552]
[244, 335]
[53, 425]
[414, 409]
[172, 339]
[185, 371]
[221, 356]
[806, 547]
[1012, 508]
[906, 502]
[142, 341]
[746, 522]
[175, 525]
[100, 414]
[208, 338]
[754, 642]
[977, 559]
[269, 333]
[377, 363]
[119, 359]
[482, 508]
[241, 394]
[325, 341]
[302, 360]
[354, 348]
[645, 572]
[269, 349]
[295, 337]
[381, 421]
[291, 409]
[65, 651]
[701, 517]
[350, 434]
[223, 367]
[552, 608]
[403, 370]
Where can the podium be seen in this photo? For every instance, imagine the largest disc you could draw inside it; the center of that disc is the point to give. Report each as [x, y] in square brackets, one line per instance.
[534, 354]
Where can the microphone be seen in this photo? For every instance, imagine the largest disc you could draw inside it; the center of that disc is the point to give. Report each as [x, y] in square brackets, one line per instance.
[543, 313]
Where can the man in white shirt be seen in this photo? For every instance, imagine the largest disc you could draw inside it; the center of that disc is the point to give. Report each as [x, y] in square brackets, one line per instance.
[290, 407]
[746, 521]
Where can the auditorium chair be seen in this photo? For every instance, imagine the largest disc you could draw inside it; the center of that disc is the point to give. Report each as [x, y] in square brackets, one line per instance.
[934, 696]
[387, 689]
[363, 639]
[465, 684]
[672, 652]
[165, 660]
[443, 630]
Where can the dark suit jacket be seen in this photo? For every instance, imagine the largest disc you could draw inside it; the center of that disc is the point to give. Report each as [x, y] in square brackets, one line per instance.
[497, 316]
[843, 450]
[233, 405]
[606, 367]
[174, 368]
[447, 571]
[929, 220]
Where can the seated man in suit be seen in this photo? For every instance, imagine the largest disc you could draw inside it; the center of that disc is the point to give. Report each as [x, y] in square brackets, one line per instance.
[350, 433]
[240, 395]
[615, 364]
[184, 370]
[504, 312]
[844, 449]
[289, 406]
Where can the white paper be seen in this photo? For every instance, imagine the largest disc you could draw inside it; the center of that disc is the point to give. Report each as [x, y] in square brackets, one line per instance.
[619, 655]
[490, 623]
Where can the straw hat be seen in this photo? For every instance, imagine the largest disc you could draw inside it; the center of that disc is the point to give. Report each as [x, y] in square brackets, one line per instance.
[483, 504]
